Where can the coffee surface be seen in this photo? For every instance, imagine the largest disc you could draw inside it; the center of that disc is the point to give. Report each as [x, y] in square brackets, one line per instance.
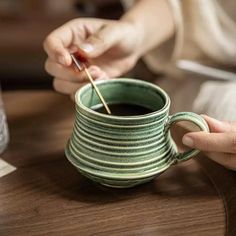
[124, 109]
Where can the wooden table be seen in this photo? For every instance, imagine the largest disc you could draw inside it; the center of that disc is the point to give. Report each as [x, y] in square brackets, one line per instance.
[47, 196]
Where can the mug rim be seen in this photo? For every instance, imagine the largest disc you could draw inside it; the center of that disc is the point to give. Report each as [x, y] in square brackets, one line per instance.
[129, 80]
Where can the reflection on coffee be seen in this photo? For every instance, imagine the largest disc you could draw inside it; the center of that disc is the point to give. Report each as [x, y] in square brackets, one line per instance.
[124, 109]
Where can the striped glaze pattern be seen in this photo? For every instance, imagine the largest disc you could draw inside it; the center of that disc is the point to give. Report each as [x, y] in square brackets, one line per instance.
[124, 151]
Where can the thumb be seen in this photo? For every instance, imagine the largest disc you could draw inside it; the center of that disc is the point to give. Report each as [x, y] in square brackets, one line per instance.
[101, 41]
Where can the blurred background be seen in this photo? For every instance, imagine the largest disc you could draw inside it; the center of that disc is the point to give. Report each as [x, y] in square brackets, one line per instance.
[23, 26]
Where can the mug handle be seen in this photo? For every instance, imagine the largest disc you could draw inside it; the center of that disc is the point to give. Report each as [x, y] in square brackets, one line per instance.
[186, 116]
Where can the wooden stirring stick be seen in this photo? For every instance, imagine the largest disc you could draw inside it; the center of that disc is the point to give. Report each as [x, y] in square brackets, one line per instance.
[84, 68]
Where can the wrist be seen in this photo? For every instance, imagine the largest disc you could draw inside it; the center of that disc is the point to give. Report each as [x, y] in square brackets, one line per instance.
[137, 31]
[153, 22]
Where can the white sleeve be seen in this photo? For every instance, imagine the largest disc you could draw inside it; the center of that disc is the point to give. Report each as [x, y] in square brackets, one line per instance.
[203, 30]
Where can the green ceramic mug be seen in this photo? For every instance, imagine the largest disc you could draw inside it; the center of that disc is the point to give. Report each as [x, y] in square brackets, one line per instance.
[123, 151]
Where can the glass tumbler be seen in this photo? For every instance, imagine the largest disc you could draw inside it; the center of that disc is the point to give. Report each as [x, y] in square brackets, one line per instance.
[4, 134]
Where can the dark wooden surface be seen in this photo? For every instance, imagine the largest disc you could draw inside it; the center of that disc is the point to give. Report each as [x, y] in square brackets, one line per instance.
[46, 195]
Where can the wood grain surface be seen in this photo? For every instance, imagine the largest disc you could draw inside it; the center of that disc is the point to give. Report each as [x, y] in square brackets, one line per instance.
[47, 196]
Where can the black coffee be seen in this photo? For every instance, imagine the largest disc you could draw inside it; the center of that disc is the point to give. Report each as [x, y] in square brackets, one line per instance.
[124, 109]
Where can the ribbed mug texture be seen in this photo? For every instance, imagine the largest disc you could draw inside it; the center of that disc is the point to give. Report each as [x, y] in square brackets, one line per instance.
[122, 151]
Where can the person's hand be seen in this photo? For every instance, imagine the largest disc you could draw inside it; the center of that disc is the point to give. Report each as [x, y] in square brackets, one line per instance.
[111, 47]
[219, 145]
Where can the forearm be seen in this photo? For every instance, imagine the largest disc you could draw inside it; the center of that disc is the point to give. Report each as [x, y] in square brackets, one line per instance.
[153, 20]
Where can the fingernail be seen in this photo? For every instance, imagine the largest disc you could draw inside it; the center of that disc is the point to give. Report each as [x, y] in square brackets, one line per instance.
[187, 141]
[62, 60]
[86, 47]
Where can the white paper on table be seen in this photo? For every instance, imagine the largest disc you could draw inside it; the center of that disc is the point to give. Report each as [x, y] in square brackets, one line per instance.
[6, 168]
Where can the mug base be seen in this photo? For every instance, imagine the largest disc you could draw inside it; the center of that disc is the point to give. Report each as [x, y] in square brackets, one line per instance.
[118, 183]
